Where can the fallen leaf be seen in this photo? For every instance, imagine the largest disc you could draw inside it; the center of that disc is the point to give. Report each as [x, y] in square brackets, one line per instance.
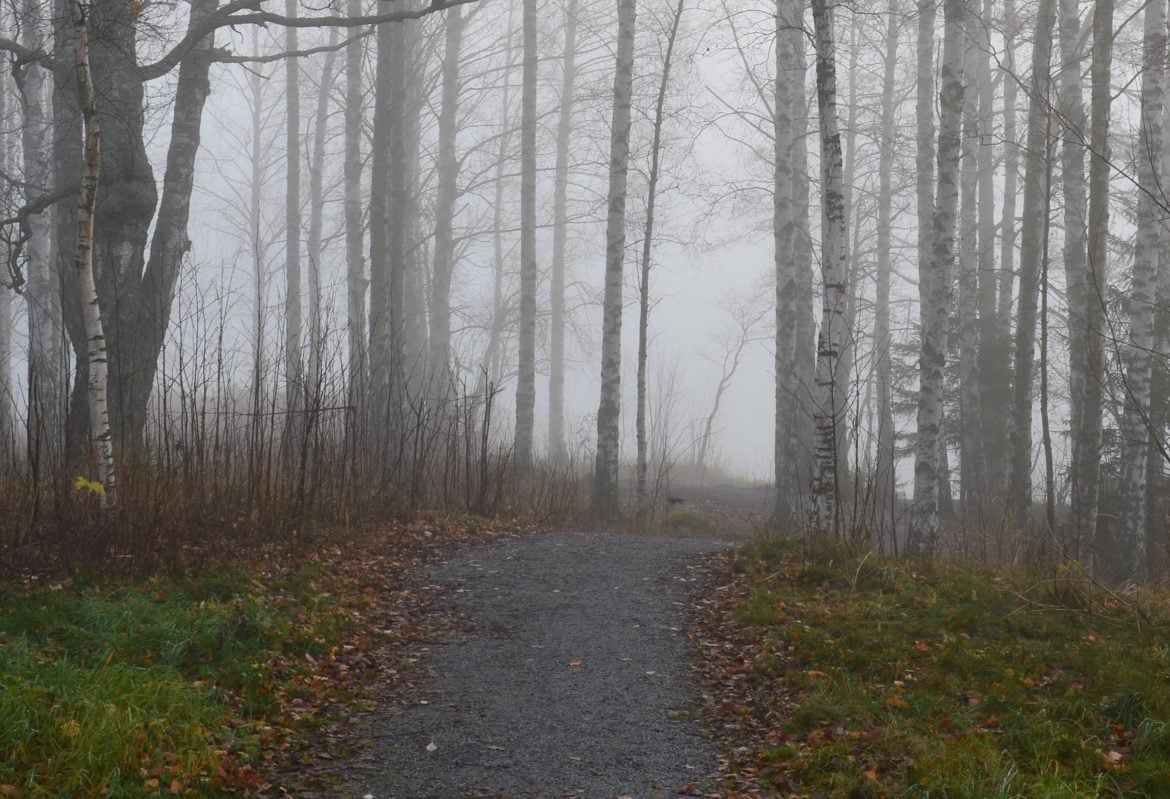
[896, 701]
[576, 664]
[10, 791]
[432, 747]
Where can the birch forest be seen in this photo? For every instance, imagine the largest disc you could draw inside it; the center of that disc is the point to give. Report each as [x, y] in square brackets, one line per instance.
[279, 267]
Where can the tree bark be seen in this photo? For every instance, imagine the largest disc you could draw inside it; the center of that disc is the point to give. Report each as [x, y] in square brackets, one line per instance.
[605, 483]
[934, 289]
[294, 374]
[356, 281]
[644, 276]
[526, 344]
[1086, 477]
[316, 342]
[1135, 419]
[1019, 495]
[884, 481]
[829, 404]
[447, 176]
[99, 420]
[46, 355]
[556, 367]
[789, 402]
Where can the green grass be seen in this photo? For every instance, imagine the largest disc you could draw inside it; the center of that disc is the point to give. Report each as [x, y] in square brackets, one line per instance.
[931, 682]
[118, 689]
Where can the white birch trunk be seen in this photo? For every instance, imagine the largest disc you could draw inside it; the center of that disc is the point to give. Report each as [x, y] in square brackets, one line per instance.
[834, 259]
[934, 288]
[605, 485]
[99, 419]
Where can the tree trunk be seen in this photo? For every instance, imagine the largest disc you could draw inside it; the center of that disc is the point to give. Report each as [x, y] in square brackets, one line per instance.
[526, 344]
[355, 264]
[834, 258]
[644, 277]
[380, 209]
[293, 366]
[556, 366]
[605, 486]
[1019, 495]
[447, 176]
[970, 423]
[1135, 428]
[1078, 281]
[884, 481]
[934, 289]
[46, 352]
[1086, 477]
[99, 420]
[990, 480]
[316, 342]
[788, 395]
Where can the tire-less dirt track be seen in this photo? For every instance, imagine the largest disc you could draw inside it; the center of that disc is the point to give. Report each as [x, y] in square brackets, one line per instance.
[570, 679]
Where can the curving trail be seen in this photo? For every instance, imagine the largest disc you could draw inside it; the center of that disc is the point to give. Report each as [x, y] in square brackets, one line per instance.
[572, 678]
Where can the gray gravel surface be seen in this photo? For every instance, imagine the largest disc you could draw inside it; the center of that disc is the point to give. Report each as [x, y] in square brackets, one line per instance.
[570, 679]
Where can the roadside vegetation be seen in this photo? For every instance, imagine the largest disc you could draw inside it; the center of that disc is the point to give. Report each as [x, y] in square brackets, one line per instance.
[227, 680]
[837, 674]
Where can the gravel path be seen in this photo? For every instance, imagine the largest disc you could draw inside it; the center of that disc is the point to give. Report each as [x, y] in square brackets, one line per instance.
[572, 679]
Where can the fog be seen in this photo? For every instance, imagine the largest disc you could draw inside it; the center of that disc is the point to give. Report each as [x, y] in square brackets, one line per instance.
[905, 267]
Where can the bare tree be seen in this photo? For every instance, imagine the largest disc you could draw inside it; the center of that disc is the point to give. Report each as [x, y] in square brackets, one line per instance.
[605, 483]
[829, 403]
[934, 289]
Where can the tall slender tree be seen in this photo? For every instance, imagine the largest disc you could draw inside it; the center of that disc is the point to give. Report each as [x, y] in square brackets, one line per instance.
[934, 290]
[605, 482]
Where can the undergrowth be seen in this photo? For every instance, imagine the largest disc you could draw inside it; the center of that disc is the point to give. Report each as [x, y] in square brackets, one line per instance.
[172, 686]
[864, 678]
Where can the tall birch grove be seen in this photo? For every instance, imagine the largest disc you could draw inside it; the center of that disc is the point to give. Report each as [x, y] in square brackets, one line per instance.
[363, 259]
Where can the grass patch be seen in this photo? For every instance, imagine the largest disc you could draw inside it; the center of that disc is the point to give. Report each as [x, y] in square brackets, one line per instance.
[864, 678]
[162, 687]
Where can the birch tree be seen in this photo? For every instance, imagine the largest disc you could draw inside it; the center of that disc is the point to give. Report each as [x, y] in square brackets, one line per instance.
[934, 288]
[829, 403]
[1135, 429]
[99, 420]
[605, 483]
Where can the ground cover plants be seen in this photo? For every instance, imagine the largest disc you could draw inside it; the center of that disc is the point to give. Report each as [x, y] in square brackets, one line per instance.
[227, 680]
[837, 674]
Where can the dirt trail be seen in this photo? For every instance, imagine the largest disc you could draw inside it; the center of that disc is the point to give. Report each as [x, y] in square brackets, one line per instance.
[572, 678]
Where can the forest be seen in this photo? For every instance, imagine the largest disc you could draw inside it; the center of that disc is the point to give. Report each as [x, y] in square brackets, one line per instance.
[581, 398]
[284, 268]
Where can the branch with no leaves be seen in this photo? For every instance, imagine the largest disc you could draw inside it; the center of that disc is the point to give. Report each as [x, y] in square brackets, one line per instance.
[250, 12]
